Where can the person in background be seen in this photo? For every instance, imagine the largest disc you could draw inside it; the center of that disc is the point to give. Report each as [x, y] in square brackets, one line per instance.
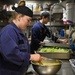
[40, 31]
[14, 47]
[72, 40]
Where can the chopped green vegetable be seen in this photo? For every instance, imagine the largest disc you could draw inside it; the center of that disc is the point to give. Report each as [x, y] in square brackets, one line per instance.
[54, 49]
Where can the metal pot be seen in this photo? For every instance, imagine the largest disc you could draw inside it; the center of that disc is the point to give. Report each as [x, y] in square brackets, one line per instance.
[52, 67]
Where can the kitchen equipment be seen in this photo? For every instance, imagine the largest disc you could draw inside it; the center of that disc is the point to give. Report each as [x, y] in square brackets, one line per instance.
[72, 63]
[70, 7]
[57, 8]
[56, 55]
[45, 7]
[49, 67]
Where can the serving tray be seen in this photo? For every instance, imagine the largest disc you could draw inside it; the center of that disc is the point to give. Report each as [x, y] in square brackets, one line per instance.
[56, 55]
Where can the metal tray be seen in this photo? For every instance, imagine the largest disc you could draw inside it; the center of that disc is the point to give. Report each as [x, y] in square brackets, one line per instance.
[56, 55]
[72, 63]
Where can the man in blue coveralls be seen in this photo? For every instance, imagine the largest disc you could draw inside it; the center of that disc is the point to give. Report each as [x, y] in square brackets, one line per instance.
[14, 47]
[40, 31]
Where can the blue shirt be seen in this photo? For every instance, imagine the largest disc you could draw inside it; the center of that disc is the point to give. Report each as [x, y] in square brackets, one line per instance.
[14, 50]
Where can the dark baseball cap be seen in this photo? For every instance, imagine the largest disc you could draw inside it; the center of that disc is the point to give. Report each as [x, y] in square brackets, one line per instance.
[45, 14]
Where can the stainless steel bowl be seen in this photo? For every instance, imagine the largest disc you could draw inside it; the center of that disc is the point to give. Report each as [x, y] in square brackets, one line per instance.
[52, 68]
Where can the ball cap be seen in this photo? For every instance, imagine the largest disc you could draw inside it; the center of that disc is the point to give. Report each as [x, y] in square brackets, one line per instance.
[45, 14]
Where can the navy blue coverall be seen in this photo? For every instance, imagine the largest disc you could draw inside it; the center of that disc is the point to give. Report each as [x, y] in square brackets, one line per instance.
[39, 32]
[14, 51]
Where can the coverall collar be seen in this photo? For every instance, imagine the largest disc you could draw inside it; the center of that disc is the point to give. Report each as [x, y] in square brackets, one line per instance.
[13, 24]
[41, 24]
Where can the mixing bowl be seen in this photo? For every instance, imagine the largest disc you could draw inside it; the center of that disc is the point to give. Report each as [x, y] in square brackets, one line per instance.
[47, 67]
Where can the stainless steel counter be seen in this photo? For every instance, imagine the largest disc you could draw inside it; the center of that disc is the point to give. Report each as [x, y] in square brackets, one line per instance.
[66, 69]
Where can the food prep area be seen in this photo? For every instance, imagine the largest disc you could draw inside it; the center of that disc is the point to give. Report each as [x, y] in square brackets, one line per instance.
[64, 56]
[43, 35]
[66, 69]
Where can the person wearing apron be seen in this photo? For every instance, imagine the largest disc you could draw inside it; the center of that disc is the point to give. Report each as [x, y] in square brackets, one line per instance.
[14, 47]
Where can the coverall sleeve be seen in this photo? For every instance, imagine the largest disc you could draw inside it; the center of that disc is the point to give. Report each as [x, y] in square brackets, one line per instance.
[10, 50]
[48, 32]
[35, 34]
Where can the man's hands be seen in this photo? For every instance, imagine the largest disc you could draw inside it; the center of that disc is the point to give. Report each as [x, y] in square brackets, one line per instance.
[63, 40]
[42, 43]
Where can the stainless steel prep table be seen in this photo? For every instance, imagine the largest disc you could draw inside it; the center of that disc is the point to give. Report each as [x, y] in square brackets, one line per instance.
[65, 69]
